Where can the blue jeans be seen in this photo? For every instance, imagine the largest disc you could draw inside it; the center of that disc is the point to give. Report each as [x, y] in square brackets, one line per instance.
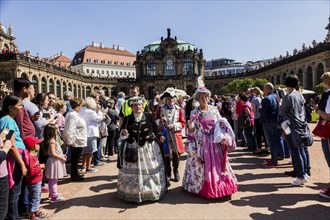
[300, 158]
[14, 193]
[279, 142]
[286, 149]
[4, 192]
[97, 154]
[250, 137]
[326, 150]
[242, 136]
[34, 196]
[274, 140]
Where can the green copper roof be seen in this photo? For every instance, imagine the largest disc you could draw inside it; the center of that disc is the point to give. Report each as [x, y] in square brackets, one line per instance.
[181, 45]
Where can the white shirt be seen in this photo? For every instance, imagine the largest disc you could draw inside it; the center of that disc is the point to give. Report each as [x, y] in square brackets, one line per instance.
[327, 107]
[92, 120]
[75, 130]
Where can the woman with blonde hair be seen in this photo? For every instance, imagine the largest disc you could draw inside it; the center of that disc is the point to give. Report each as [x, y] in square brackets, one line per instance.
[256, 105]
[92, 115]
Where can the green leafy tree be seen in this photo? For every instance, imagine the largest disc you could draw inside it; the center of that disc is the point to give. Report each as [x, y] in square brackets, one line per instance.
[319, 89]
[260, 82]
[279, 86]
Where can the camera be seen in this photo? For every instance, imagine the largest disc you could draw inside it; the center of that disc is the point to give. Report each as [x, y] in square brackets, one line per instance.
[280, 93]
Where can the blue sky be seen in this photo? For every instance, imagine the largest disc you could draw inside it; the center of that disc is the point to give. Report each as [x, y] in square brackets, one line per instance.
[240, 30]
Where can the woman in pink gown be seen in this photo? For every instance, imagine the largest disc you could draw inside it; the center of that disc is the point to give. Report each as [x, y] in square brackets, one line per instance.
[208, 172]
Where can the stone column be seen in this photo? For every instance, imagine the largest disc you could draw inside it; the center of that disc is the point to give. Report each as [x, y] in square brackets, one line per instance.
[39, 84]
[281, 78]
[55, 87]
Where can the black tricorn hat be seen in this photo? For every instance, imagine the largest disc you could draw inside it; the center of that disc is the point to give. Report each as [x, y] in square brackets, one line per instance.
[168, 94]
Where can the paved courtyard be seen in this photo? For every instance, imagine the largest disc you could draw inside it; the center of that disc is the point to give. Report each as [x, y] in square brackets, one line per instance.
[264, 193]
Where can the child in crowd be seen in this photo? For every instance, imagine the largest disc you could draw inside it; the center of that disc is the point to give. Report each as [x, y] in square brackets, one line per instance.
[60, 108]
[34, 178]
[55, 165]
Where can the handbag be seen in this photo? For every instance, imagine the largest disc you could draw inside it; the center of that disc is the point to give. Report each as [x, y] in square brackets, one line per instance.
[131, 154]
[300, 132]
[322, 129]
[103, 129]
[131, 150]
[244, 120]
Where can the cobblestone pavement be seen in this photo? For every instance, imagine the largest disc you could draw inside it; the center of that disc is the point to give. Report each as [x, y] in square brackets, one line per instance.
[264, 193]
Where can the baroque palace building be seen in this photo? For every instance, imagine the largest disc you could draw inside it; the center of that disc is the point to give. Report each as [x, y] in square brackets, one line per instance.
[168, 62]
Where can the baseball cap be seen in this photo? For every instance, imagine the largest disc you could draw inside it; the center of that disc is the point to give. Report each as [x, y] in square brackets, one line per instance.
[30, 142]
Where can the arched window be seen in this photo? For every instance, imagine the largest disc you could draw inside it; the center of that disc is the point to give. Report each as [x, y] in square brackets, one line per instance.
[88, 90]
[70, 87]
[151, 67]
[79, 91]
[188, 67]
[309, 75]
[65, 88]
[75, 90]
[35, 83]
[320, 71]
[106, 91]
[51, 85]
[169, 66]
[284, 76]
[25, 76]
[278, 80]
[43, 85]
[301, 77]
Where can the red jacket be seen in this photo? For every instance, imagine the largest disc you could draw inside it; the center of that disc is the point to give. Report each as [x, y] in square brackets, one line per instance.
[34, 174]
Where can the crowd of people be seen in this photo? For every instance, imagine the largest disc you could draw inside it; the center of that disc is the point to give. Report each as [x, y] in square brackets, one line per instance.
[40, 135]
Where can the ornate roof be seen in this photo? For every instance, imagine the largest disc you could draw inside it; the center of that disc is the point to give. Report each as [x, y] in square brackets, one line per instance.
[181, 44]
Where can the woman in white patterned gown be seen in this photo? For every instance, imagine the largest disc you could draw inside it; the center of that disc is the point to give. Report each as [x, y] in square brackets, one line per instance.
[141, 173]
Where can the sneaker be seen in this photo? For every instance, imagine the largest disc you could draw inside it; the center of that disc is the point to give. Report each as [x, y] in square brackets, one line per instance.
[83, 169]
[99, 164]
[30, 217]
[103, 159]
[324, 190]
[271, 164]
[298, 181]
[306, 176]
[91, 170]
[45, 188]
[57, 199]
[325, 193]
[41, 214]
